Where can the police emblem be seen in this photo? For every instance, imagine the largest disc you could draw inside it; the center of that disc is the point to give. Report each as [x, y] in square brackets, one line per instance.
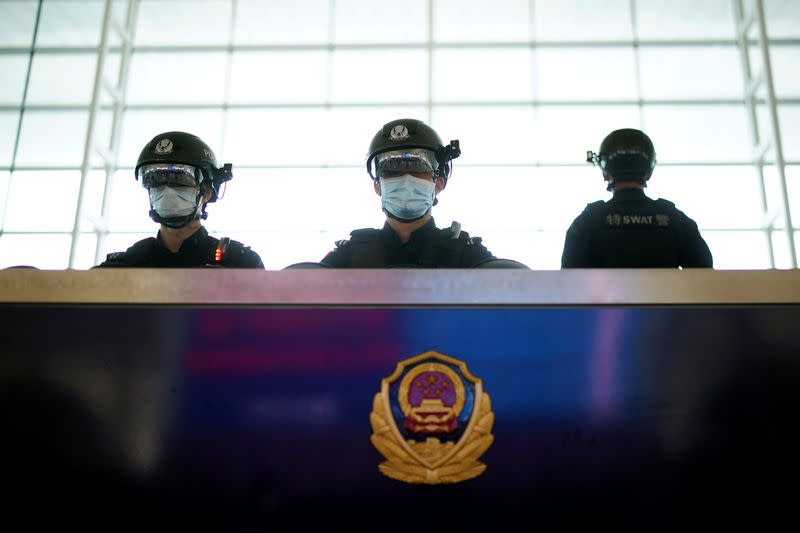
[164, 146]
[398, 133]
[431, 421]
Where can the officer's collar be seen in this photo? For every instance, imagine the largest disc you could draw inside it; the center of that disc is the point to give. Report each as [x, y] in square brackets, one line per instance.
[629, 194]
[389, 233]
[193, 241]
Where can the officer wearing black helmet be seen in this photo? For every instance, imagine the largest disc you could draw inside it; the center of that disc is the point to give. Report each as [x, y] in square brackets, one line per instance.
[181, 176]
[632, 230]
[410, 166]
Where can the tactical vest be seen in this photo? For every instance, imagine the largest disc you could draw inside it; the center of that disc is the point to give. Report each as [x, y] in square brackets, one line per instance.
[444, 250]
[615, 244]
[140, 254]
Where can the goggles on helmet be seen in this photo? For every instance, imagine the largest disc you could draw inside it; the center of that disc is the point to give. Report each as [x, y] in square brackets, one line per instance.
[405, 161]
[158, 174]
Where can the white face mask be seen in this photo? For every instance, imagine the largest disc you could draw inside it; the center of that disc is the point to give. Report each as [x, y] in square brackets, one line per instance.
[170, 201]
[407, 197]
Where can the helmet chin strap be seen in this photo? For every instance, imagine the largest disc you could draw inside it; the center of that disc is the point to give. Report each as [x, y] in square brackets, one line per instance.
[406, 220]
[177, 222]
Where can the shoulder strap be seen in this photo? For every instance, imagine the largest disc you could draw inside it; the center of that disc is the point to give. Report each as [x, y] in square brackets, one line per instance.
[231, 253]
[664, 203]
[364, 234]
[596, 211]
[366, 250]
[455, 229]
[593, 208]
[221, 252]
[139, 254]
[447, 249]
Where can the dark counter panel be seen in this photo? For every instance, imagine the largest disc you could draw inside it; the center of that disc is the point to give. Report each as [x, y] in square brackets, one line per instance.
[636, 416]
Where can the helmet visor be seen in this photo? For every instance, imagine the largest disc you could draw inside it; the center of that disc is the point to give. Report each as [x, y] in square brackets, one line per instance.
[405, 161]
[157, 174]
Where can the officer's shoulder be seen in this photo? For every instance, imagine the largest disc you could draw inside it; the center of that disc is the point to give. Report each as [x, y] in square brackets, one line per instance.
[145, 245]
[673, 211]
[115, 259]
[664, 203]
[242, 255]
[591, 209]
[138, 253]
[455, 233]
[669, 207]
[359, 235]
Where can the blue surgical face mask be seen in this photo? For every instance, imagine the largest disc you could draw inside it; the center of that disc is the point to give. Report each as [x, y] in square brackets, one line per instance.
[407, 197]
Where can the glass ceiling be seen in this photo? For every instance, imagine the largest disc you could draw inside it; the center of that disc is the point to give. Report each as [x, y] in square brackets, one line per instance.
[291, 92]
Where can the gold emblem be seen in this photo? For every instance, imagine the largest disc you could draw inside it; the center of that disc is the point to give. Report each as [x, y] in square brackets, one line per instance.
[432, 421]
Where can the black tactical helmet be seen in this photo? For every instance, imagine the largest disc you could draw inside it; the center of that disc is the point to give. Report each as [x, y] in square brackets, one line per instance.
[409, 133]
[187, 149]
[625, 155]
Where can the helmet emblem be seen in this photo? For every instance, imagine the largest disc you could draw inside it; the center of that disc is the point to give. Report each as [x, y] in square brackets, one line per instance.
[399, 132]
[164, 146]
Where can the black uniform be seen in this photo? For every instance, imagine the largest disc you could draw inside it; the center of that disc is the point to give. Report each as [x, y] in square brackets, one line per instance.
[199, 250]
[428, 247]
[632, 230]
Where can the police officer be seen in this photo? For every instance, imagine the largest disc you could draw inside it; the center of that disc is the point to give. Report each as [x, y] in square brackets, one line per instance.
[181, 176]
[410, 166]
[632, 230]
